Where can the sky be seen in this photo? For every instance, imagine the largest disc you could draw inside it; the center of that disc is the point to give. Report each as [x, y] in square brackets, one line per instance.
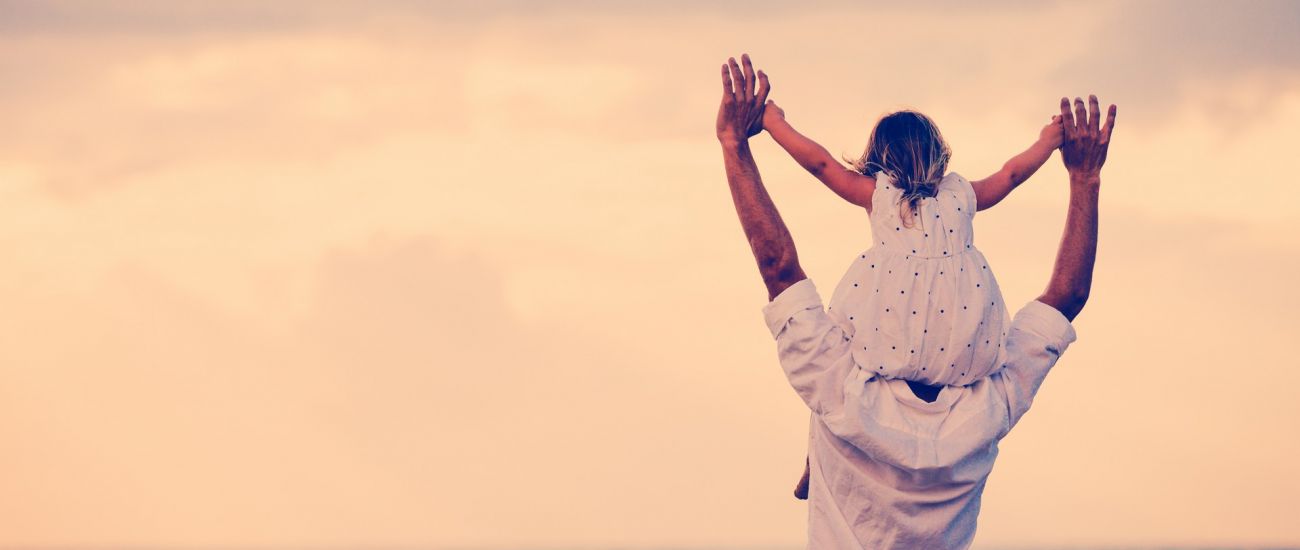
[468, 274]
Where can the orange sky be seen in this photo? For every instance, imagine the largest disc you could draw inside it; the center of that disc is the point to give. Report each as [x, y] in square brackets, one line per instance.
[444, 274]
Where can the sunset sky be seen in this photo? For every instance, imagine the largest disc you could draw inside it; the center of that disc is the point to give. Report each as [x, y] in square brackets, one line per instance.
[468, 273]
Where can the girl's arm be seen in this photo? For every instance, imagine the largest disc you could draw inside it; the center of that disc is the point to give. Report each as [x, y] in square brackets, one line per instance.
[991, 190]
[848, 184]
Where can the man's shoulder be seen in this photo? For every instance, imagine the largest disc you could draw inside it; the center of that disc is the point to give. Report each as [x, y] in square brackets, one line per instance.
[797, 296]
[1044, 322]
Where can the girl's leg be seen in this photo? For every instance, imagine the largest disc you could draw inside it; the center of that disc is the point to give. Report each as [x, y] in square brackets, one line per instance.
[801, 490]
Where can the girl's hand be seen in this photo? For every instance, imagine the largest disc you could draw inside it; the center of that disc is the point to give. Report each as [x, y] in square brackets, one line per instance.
[1053, 134]
[772, 114]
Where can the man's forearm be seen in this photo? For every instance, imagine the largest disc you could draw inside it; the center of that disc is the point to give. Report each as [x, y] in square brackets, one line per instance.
[769, 240]
[1072, 275]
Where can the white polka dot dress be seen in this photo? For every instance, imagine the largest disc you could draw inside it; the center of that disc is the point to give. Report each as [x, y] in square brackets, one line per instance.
[922, 301]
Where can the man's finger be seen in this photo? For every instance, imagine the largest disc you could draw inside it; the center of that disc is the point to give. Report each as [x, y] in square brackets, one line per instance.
[1067, 117]
[1080, 115]
[763, 88]
[737, 79]
[1094, 114]
[1110, 125]
[726, 82]
[749, 75]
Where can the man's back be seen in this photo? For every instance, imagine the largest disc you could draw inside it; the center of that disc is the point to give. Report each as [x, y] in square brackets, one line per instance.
[887, 469]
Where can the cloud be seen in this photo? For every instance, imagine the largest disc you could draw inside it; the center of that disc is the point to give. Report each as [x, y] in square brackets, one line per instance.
[1162, 56]
[129, 107]
[190, 16]
[128, 110]
[154, 16]
[406, 383]
[139, 397]
[335, 275]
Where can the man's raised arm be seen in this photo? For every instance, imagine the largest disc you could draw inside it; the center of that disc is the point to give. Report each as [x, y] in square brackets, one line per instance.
[1084, 152]
[739, 117]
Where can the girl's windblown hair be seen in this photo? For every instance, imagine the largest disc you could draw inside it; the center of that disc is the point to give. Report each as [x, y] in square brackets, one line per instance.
[907, 147]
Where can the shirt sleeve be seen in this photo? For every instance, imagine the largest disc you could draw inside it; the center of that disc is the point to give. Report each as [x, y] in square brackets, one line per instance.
[813, 349]
[968, 194]
[1039, 335]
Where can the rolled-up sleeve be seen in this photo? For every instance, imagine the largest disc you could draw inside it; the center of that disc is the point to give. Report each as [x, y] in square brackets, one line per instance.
[1038, 336]
[813, 349]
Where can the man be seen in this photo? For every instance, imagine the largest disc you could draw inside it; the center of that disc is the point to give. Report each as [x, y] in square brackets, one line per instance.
[896, 464]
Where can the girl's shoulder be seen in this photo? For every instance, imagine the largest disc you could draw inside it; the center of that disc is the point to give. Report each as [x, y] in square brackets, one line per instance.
[959, 186]
[955, 178]
[951, 179]
[952, 187]
[885, 184]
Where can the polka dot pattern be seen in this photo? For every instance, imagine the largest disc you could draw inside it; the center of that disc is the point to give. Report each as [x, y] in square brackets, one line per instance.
[912, 330]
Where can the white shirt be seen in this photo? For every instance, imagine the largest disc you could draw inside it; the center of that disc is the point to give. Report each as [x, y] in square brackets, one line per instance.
[888, 470]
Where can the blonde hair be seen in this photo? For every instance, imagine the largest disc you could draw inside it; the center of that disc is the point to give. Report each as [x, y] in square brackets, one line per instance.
[907, 147]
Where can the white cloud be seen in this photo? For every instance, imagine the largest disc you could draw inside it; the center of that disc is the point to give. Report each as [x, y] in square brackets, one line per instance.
[454, 269]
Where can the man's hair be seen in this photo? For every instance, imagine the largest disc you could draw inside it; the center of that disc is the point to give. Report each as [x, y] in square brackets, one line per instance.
[907, 147]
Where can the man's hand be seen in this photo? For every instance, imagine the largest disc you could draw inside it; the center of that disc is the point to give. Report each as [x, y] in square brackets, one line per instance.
[741, 116]
[1084, 152]
[741, 113]
[1085, 143]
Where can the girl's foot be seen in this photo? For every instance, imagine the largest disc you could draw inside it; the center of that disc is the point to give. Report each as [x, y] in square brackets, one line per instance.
[801, 490]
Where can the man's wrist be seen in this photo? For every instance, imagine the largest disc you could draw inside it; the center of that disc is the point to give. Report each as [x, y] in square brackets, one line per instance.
[732, 141]
[1085, 178]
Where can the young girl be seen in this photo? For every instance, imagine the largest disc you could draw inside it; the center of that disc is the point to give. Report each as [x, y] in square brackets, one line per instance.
[921, 301]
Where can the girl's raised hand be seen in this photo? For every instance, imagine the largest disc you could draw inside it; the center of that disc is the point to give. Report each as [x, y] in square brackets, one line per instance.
[1053, 133]
[772, 114]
